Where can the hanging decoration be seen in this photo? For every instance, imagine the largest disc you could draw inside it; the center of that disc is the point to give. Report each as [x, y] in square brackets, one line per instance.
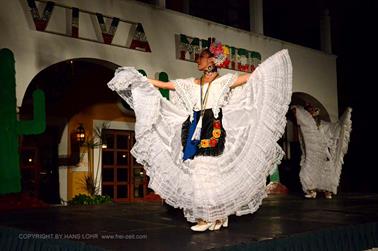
[136, 38]
[107, 35]
[75, 23]
[139, 39]
[41, 22]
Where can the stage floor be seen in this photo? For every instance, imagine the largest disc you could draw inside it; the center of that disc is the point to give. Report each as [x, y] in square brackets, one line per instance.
[153, 226]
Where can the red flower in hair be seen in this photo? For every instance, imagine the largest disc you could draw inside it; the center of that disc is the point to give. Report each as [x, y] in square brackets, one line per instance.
[220, 53]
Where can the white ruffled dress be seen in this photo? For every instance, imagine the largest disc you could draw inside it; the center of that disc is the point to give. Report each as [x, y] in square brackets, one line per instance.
[323, 150]
[208, 187]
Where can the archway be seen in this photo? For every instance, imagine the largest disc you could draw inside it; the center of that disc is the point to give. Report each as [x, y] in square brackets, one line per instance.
[301, 98]
[70, 87]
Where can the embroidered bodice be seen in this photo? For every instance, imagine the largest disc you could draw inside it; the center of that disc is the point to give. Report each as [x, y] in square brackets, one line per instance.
[189, 91]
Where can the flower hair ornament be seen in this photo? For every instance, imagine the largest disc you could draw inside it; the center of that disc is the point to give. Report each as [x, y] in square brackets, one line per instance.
[220, 52]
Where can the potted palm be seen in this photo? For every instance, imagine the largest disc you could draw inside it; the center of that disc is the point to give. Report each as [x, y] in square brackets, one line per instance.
[90, 180]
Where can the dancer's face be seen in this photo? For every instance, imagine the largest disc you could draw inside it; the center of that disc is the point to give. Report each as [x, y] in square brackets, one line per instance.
[204, 60]
[313, 110]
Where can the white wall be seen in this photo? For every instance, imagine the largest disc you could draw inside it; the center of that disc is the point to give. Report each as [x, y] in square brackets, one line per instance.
[314, 71]
[63, 170]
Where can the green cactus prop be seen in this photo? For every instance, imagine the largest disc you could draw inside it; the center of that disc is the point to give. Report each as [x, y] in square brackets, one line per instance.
[11, 128]
[164, 77]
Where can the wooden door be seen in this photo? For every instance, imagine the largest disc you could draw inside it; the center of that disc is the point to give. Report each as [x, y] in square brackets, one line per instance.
[123, 179]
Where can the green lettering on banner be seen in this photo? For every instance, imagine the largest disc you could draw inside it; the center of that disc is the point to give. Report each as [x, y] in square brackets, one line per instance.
[242, 60]
[189, 46]
[233, 57]
[255, 59]
[204, 43]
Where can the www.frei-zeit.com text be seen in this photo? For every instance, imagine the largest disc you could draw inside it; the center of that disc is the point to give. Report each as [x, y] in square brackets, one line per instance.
[82, 236]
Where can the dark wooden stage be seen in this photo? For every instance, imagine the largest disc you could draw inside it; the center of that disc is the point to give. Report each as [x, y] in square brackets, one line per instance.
[155, 226]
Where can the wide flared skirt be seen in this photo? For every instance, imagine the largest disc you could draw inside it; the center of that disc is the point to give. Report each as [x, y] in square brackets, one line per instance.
[324, 151]
[212, 187]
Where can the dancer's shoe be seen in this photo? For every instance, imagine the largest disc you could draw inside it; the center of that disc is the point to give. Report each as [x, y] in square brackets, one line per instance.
[203, 226]
[311, 195]
[219, 224]
[328, 195]
[225, 222]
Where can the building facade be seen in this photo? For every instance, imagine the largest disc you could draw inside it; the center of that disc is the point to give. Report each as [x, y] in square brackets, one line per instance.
[70, 49]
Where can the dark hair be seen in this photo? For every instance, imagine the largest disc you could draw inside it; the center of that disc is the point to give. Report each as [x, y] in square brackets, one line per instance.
[308, 106]
[208, 52]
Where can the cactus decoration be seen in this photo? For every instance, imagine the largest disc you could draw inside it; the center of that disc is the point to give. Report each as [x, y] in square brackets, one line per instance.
[11, 128]
[164, 77]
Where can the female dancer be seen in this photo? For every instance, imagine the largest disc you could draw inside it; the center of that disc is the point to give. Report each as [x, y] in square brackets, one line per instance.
[209, 149]
[323, 145]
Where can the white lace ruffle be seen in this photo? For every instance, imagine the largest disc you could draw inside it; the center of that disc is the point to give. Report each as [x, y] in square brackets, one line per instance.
[126, 76]
[183, 95]
[212, 188]
[323, 150]
[224, 94]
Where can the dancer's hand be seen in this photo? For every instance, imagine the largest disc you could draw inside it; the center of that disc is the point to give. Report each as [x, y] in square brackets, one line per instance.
[241, 80]
[293, 110]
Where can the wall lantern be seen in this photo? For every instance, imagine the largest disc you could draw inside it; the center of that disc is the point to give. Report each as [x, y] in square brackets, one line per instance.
[104, 145]
[80, 134]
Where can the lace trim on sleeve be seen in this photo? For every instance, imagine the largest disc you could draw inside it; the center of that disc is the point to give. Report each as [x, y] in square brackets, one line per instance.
[123, 78]
[184, 92]
[304, 118]
[224, 93]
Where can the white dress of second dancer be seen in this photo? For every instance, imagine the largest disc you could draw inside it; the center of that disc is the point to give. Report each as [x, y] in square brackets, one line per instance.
[323, 149]
[211, 187]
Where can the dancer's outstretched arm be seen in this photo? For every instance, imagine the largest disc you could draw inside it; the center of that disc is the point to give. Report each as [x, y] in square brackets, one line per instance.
[241, 80]
[161, 84]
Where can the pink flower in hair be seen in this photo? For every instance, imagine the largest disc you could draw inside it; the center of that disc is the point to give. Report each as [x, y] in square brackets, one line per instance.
[220, 52]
